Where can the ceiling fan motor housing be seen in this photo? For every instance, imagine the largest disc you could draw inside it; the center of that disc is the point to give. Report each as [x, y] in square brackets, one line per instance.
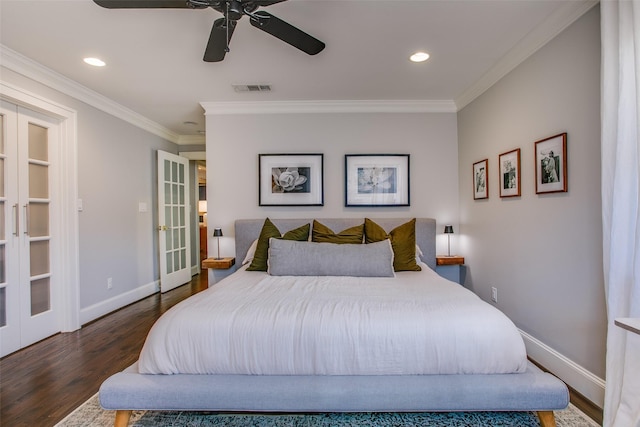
[234, 10]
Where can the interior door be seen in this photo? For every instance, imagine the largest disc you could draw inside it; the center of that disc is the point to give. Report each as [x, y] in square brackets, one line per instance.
[9, 232]
[37, 148]
[29, 294]
[173, 220]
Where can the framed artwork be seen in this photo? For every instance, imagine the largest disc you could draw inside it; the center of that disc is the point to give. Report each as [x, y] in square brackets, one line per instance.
[291, 180]
[551, 164]
[376, 180]
[509, 165]
[481, 179]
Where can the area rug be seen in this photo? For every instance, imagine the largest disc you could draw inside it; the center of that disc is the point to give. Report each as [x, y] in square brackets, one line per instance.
[91, 414]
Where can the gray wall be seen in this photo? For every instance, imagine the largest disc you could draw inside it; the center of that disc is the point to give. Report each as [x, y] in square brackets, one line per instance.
[117, 168]
[542, 252]
[116, 171]
[234, 142]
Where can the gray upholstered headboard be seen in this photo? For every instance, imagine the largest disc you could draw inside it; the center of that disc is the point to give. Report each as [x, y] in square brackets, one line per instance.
[248, 230]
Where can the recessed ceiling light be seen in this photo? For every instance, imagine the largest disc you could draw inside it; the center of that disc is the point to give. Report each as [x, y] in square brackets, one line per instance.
[419, 57]
[190, 123]
[95, 62]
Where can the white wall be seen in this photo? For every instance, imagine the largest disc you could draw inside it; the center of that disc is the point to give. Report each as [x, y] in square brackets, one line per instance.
[234, 142]
[542, 252]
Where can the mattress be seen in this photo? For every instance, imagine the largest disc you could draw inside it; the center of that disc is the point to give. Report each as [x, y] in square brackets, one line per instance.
[415, 323]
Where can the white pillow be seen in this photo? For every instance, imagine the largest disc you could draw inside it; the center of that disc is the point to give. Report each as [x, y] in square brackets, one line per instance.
[418, 254]
[251, 252]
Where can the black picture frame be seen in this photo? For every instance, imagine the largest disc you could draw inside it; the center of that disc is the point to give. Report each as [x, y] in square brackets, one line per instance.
[374, 180]
[291, 179]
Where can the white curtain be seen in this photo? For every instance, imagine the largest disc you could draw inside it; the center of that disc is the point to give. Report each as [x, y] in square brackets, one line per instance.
[620, 211]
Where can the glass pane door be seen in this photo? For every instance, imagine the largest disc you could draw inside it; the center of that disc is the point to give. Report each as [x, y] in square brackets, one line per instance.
[37, 147]
[3, 237]
[37, 219]
[173, 211]
[9, 236]
[29, 257]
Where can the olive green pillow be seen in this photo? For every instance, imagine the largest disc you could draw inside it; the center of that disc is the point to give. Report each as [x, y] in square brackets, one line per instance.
[403, 242]
[323, 234]
[269, 230]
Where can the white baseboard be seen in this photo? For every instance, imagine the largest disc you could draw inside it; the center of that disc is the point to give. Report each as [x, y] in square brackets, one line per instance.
[581, 380]
[105, 307]
[195, 269]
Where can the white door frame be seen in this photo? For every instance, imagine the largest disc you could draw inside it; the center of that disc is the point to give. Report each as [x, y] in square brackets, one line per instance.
[195, 195]
[67, 182]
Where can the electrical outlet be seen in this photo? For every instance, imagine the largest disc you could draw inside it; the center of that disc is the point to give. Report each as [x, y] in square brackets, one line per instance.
[109, 283]
[494, 294]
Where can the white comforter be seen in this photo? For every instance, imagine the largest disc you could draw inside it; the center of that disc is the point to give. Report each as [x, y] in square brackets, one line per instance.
[253, 323]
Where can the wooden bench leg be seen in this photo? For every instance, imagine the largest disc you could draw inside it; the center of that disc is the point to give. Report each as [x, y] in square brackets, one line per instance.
[547, 419]
[122, 418]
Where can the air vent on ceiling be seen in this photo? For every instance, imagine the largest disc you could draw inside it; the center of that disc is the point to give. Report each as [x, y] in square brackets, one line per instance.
[252, 88]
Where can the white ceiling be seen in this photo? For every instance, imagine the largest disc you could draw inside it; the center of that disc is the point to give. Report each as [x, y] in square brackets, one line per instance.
[155, 68]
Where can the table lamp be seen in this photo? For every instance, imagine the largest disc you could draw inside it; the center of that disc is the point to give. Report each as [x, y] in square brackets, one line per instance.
[448, 230]
[217, 232]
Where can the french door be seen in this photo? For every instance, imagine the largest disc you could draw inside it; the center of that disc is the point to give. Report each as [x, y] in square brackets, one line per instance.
[173, 220]
[28, 285]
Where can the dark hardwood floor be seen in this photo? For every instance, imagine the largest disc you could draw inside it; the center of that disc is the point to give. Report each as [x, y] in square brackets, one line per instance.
[41, 384]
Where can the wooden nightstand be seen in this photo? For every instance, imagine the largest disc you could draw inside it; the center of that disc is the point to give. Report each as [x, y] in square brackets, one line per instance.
[451, 267]
[449, 260]
[218, 268]
[218, 264]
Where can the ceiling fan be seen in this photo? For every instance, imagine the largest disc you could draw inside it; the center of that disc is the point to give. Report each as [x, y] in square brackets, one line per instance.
[222, 30]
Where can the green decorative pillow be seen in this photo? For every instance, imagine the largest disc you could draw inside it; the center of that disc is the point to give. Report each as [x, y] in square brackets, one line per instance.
[269, 230]
[403, 242]
[323, 234]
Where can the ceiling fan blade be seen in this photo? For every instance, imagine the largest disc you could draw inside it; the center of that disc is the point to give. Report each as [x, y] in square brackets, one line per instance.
[286, 32]
[219, 40]
[143, 4]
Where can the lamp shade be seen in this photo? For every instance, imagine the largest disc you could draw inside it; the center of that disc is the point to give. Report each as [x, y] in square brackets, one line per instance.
[448, 229]
[217, 232]
[202, 206]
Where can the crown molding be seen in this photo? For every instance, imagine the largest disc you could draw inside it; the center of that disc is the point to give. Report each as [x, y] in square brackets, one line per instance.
[191, 140]
[531, 43]
[309, 107]
[31, 69]
[193, 155]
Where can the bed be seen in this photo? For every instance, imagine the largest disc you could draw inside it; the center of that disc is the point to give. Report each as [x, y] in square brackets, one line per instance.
[327, 346]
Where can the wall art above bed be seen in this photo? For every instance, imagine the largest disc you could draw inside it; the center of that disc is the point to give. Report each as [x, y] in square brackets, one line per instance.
[376, 180]
[291, 180]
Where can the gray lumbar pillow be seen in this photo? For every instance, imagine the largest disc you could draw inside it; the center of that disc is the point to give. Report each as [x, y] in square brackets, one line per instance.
[293, 258]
